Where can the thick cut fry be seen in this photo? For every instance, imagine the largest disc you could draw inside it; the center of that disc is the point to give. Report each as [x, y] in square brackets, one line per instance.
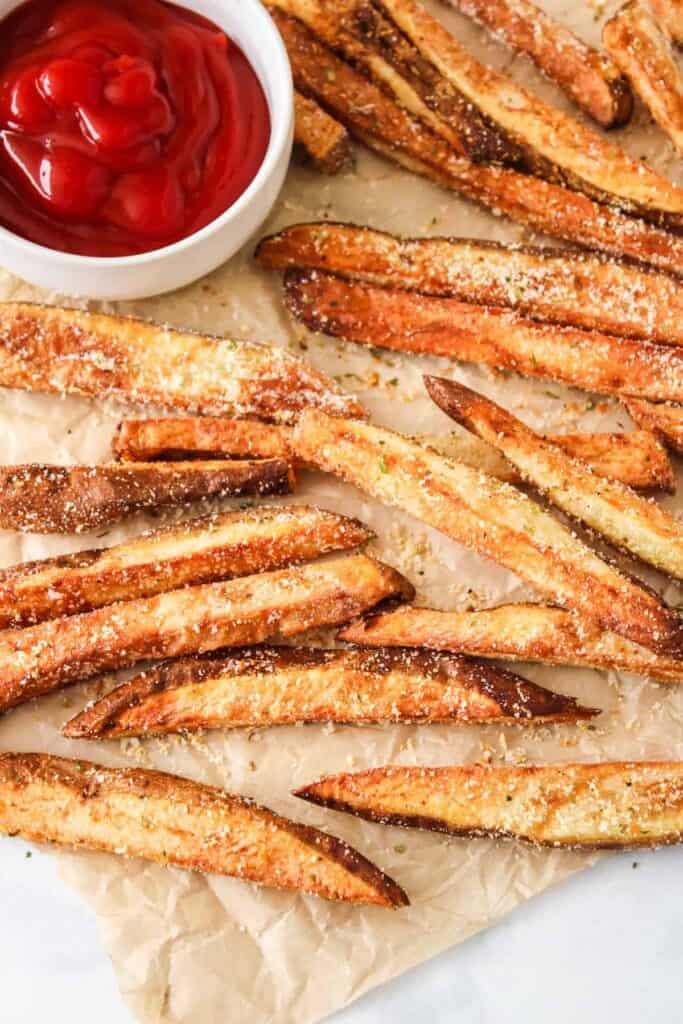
[199, 437]
[324, 141]
[501, 338]
[283, 686]
[590, 806]
[556, 146]
[637, 459]
[195, 620]
[640, 47]
[45, 348]
[575, 289]
[663, 418]
[629, 521]
[203, 550]
[170, 820]
[371, 115]
[585, 74]
[515, 632]
[490, 517]
[73, 499]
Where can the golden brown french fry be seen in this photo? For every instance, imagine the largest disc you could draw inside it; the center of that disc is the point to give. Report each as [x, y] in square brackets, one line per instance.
[670, 15]
[72, 499]
[664, 418]
[284, 685]
[591, 806]
[640, 46]
[136, 812]
[46, 348]
[585, 74]
[269, 605]
[492, 518]
[215, 547]
[629, 521]
[324, 141]
[199, 437]
[426, 325]
[514, 632]
[371, 115]
[556, 146]
[571, 288]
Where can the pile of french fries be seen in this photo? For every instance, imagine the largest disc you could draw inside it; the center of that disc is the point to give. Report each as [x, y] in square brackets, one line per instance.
[212, 600]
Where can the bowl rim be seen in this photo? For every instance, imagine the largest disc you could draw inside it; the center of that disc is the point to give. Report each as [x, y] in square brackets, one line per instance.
[280, 130]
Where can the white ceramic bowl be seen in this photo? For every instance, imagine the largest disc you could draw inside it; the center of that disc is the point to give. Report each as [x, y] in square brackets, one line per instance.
[162, 270]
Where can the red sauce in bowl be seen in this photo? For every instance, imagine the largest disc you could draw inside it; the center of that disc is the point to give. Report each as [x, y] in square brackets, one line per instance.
[125, 125]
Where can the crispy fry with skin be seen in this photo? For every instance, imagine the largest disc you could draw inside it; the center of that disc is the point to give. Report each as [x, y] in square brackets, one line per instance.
[195, 620]
[556, 146]
[637, 459]
[492, 518]
[586, 75]
[46, 348]
[628, 520]
[203, 550]
[371, 115]
[617, 805]
[163, 818]
[664, 418]
[570, 288]
[501, 338]
[199, 437]
[72, 499]
[514, 632]
[269, 686]
[324, 141]
[640, 47]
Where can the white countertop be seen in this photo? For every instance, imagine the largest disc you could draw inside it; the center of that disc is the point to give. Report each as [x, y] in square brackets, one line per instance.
[606, 945]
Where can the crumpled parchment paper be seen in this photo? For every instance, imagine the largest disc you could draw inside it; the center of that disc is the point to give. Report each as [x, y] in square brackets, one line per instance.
[188, 948]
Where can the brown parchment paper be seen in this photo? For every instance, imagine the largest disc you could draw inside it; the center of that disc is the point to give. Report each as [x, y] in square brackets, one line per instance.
[189, 949]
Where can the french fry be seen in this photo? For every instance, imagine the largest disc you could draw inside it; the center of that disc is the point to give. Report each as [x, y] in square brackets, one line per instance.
[195, 620]
[640, 46]
[670, 15]
[664, 418]
[215, 547]
[619, 805]
[514, 632]
[493, 519]
[284, 685]
[324, 141]
[629, 521]
[637, 459]
[570, 288]
[501, 338]
[45, 348]
[199, 437]
[72, 499]
[371, 115]
[556, 146]
[163, 818]
[586, 75]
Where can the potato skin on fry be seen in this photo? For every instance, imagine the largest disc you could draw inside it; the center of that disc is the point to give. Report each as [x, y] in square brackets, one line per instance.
[324, 141]
[284, 685]
[665, 419]
[491, 518]
[618, 805]
[384, 126]
[199, 437]
[408, 322]
[73, 499]
[514, 632]
[171, 820]
[562, 286]
[214, 547]
[269, 605]
[69, 351]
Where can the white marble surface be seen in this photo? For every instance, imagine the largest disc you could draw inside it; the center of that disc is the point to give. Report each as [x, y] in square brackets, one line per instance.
[605, 946]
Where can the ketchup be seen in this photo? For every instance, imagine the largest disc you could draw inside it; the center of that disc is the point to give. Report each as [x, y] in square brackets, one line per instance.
[125, 125]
